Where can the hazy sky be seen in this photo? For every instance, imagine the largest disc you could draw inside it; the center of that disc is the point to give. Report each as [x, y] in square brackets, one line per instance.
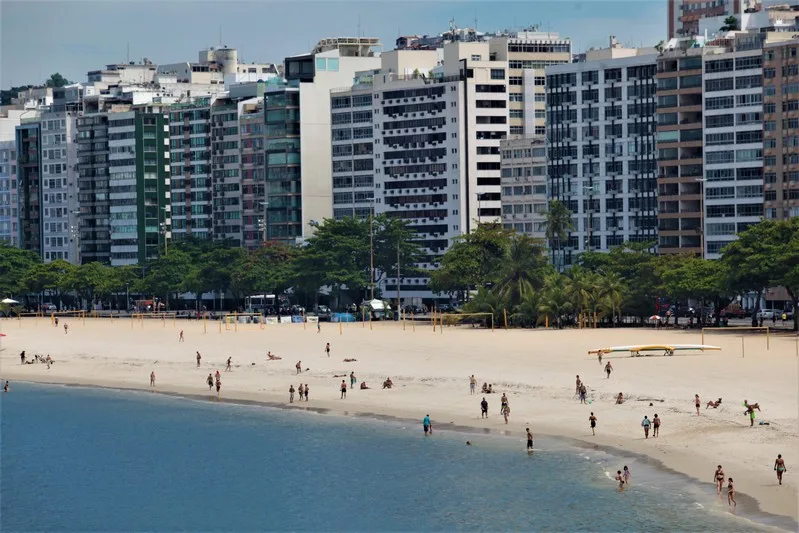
[73, 37]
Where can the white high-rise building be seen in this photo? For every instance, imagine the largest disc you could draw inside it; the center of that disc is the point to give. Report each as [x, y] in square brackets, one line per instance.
[419, 139]
[601, 144]
[8, 194]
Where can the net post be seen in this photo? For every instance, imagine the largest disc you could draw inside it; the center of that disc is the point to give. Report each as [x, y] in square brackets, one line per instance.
[505, 312]
[546, 322]
[340, 328]
[703, 335]
[492, 322]
[413, 322]
[441, 322]
[743, 348]
[768, 338]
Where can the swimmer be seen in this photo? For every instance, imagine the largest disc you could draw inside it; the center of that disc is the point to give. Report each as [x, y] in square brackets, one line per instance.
[779, 463]
[626, 475]
[5, 389]
[620, 478]
[529, 440]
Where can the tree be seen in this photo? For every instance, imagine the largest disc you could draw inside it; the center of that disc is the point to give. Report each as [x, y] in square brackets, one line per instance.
[57, 80]
[558, 224]
[693, 277]
[554, 302]
[730, 24]
[14, 266]
[85, 279]
[783, 240]
[392, 236]
[750, 261]
[522, 270]
[474, 260]
[6, 95]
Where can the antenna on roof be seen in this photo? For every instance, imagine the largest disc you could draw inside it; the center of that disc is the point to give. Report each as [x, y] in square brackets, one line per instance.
[359, 26]
[475, 20]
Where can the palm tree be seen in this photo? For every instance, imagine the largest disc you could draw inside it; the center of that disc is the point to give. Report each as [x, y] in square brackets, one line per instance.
[613, 294]
[526, 313]
[485, 301]
[555, 301]
[558, 224]
[521, 270]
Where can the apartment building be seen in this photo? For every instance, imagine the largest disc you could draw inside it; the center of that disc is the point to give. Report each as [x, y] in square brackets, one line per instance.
[298, 133]
[9, 227]
[781, 129]
[680, 154]
[684, 16]
[419, 139]
[190, 169]
[524, 185]
[732, 159]
[253, 173]
[124, 185]
[225, 168]
[528, 54]
[29, 186]
[601, 148]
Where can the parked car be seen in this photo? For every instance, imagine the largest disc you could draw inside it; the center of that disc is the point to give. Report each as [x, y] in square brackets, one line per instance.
[323, 312]
[766, 314]
[49, 307]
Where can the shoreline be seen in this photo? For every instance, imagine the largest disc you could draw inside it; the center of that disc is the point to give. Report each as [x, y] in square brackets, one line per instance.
[750, 507]
[430, 370]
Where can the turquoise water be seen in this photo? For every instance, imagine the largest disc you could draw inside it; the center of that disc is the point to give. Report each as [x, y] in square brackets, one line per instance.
[87, 459]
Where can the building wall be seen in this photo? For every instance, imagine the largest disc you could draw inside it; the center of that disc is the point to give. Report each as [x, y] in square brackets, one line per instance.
[93, 183]
[226, 167]
[29, 168]
[781, 129]
[601, 151]
[524, 186]
[253, 173]
[124, 195]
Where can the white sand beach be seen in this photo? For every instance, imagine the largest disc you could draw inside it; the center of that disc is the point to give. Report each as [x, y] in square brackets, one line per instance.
[430, 370]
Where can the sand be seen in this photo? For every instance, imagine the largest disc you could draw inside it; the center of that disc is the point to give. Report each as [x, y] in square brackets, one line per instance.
[430, 370]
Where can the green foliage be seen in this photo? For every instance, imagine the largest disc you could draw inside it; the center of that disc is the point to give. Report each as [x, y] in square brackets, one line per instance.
[731, 24]
[559, 223]
[56, 80]
[14, 266]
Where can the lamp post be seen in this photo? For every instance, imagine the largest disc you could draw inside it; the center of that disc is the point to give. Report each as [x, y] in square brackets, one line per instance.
[266, 221]
[591, 191]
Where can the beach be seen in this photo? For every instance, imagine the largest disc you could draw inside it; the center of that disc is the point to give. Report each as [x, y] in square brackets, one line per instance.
[430, 371]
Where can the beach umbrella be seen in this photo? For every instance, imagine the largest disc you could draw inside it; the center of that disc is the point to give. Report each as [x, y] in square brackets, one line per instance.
[9, 301]
[655, 317]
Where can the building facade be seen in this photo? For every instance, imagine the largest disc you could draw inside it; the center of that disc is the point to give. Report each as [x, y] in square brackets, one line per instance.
[684, 15]
[253, 173]
[9, 229]
[29, 186]
[226, 169]
[781, 129]
[524, 185]
[601, 148]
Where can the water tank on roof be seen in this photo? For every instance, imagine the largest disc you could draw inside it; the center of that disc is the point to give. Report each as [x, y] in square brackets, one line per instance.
[227, 58]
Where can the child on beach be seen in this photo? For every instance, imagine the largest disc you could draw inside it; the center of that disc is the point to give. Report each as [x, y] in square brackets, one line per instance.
[626, 475]
[620, 478]
[506, 412]
[529, 440]
[210, 382]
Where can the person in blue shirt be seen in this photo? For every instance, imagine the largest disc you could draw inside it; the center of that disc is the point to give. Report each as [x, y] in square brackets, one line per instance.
[428, 427]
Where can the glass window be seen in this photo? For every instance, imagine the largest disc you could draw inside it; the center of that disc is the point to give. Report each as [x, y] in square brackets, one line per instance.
[332, 64]
[321, 63]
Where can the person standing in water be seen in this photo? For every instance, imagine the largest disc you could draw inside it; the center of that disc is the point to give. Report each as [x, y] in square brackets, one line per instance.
[592, 421]
[5, 389]
[427, 425]
[506, 412]
[718, 478]
[655, 426]
[731, 494]
[697, 403]
[152, 378]
[529, 440]
[218, 385]
[779, 464]
[608, 369]
[298, 366]
[626, 475]
[645, 424]
[620, 478]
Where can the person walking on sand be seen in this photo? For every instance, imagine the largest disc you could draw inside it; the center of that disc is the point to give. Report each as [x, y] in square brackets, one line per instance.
[49, 361]
[218, 386]
[583, 394]
[506, 412]
[577, 385]
[210, 382]
[645, 424]
[599, 356]
[731, 494]
[55, 322]
[718, 479]
[626, 475]
[697, 403]
[592, 421]
[608, 369]
[472, 384]
[291, 393]
[529, 440]
[318, 327]
[180, 338]
[343, 389]
[229, 360]
[298, 366]
[779, 464]
[327, 349]
[352, 380]
[427, 425]
[502, 403]
[66, 329]
[152, 378]
[199, 358]
[655, 426]
[484, 408]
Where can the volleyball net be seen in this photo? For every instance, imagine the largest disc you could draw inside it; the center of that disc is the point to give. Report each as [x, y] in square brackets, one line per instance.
[739, 330]
[475, 320]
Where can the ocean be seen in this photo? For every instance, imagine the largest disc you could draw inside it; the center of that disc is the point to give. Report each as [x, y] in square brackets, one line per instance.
[85, 459]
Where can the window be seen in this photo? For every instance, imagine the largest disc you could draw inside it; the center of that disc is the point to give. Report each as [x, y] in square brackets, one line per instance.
[719, 65]
[498, 74]
[715, 139]
[747, 82]
[516, 80]
[715, 158]
[723, 84]
[720, 121]
[743, 63]
[720, 102]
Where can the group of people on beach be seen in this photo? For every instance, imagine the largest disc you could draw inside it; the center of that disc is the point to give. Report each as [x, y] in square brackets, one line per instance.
[302, 390]
[47, 360]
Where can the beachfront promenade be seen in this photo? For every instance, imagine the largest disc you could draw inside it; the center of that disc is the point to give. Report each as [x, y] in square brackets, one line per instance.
[430, 370]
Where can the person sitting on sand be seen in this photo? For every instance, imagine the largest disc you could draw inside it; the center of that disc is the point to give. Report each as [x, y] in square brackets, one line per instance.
[714, 405]
[350, 360]
[271, 357]
[490, 388]
[485, 388]
[363, 385]
[620, 399]
[387, 384]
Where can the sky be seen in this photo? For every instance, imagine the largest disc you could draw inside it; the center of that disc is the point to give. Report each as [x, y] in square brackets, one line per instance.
[38, 37]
